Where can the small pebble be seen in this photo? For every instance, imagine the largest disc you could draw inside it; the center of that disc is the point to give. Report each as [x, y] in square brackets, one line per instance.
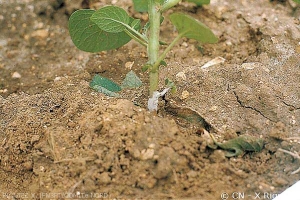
[147, 154]
[57, 79]
[40, 34]
[128, 65]
[151, 183]
[16, 75]
[280, 182]
[181, 75]
[151, 146]
[185, 94]
[34, 139]
[28, 165]
[104, 178]
[213, 108]
[192, 174]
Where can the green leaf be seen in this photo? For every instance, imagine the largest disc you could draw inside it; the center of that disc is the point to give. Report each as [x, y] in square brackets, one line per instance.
[131, 81]
[104, 85]
[163, 63]
[169, 83]
[145, 67]
[297, 1]
[105, 91]
[111, 19]
[238, 145]
[199, 2]
[135, 23]
[163, 43]
[140, 5]
[192, 28]
[87, 36]
[146, 28]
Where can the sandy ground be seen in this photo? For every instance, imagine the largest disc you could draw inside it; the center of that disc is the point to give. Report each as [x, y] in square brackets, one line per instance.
[61, 139]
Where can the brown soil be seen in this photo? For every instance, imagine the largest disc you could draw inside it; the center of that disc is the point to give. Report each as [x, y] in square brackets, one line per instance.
[59, 138]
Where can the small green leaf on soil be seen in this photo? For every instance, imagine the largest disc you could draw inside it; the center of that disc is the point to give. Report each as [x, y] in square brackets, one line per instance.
[131, 80]
[104, 85]
[111, 19]
[87, 36]
[200, 2]
[238, 145]
[169, 83]
[145, 67]
[163, 63]
[297, 1]
[193, 29]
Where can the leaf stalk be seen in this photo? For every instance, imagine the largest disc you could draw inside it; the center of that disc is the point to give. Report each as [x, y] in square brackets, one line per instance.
[142, 42]
[164, 54]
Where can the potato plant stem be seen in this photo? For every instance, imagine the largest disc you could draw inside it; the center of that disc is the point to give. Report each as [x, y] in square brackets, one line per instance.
[153, 45]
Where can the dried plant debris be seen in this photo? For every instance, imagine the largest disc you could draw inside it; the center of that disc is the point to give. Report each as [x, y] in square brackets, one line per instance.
[239, 145]
[189, 115]
[295, 155]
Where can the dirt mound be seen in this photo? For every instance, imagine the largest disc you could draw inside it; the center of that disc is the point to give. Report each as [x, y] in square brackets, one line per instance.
[59, 139]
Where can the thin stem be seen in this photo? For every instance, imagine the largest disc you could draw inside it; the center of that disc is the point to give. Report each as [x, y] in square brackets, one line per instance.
[142, 42]
[143, 37]
[167, 5]
[153, 45]
[164, 54]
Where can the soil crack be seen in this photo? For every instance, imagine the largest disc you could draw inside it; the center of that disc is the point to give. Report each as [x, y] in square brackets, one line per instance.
[288, 104]
[250, 107]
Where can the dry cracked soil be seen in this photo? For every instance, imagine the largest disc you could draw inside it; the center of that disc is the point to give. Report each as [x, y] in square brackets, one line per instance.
[59, 139]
